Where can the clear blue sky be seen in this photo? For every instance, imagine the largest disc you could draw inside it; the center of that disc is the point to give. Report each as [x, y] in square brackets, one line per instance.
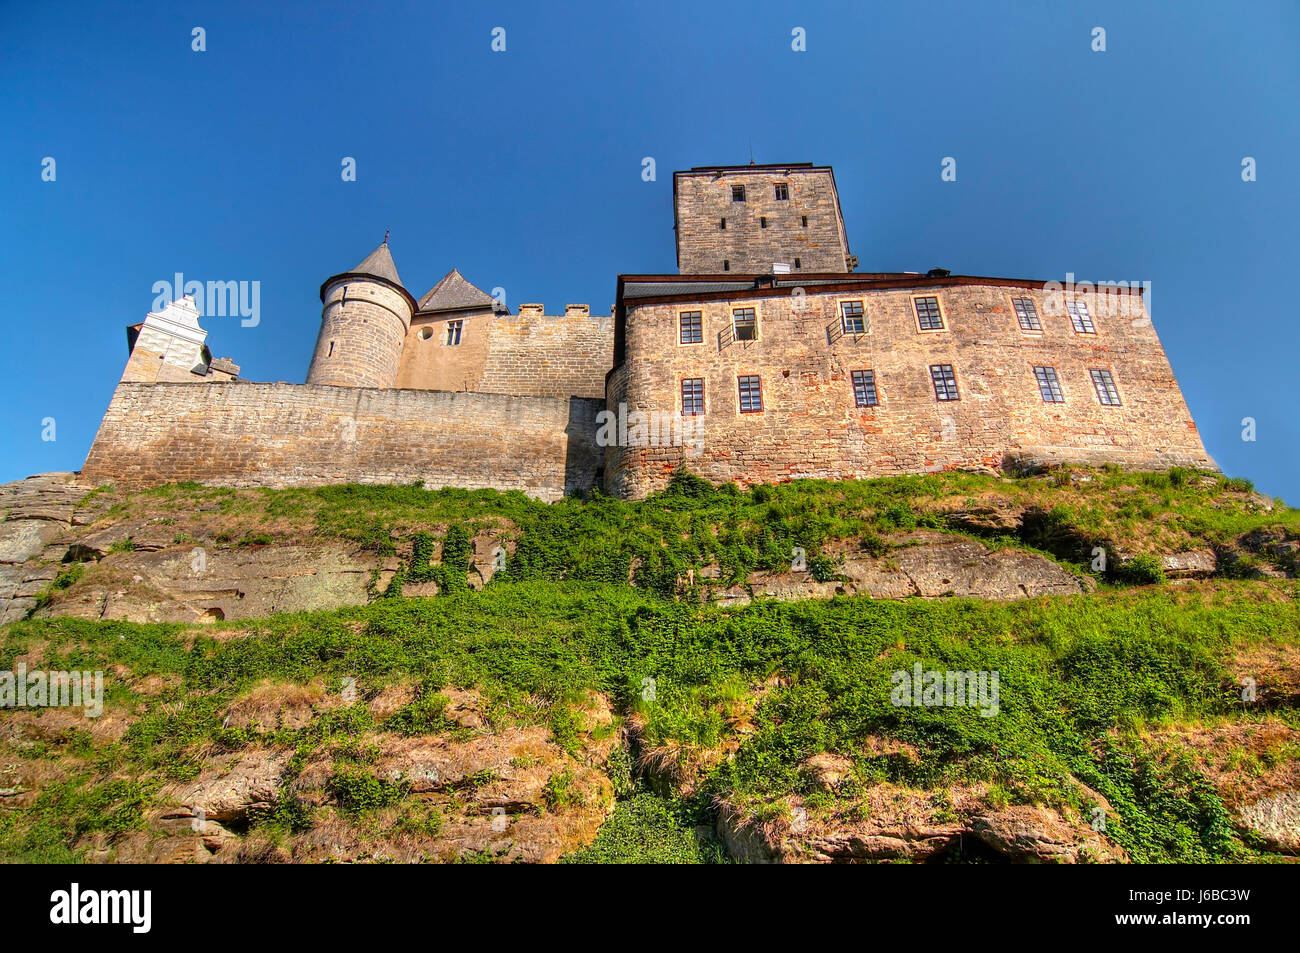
[523, 168]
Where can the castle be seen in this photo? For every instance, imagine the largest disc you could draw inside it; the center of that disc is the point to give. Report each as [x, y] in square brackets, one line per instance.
[766, 357]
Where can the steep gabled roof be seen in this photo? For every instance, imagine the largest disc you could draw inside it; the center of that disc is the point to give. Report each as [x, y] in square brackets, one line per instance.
[455, 293]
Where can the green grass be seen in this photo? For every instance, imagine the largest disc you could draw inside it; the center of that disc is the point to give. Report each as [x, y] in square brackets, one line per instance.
[1074, 672]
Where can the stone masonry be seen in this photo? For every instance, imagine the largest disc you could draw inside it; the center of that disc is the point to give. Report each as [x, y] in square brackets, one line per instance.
[810, 425]
[718, 231]
[246, 434]
[838, 370]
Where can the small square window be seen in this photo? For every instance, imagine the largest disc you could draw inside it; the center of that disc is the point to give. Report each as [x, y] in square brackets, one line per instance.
[1107, 393]
[737, 193]
[1080, 318]
[453, 332]
[1048, 385]
[693, 397]
[751, 394]
[782, 192]
[745, 323]
[928, 315]
[853, 318]
[691, 324]
[945, 382]
[1027, 314]
[864, 389]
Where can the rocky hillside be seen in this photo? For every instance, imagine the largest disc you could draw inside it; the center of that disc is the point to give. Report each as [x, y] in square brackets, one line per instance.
[389, 673]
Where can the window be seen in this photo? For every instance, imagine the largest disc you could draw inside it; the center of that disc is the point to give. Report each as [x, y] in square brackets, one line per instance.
[453, 332]
[692, 396]
[782, 192]
[1027, 314]
[853, 318]
[331, 353]
[426, 333]
[1107, 393]
[1080, 318]
[945, 382]
[726, 265]
[864, 388]
[745, 324]
[691, 327]
[798, 263]
[805, 221]
[928, 315]
[751, 394]
[762, 221]
[723, 225]
[1048, 385]
[737, 193]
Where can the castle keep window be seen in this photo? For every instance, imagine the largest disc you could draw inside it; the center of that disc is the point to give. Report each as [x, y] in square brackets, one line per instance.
[1048, 385]
[945, 382]
[782, 192]
[692, 397]
[762, 221]
[737, 193]
[854, 319]
[864, 388]
[692, 327]
[929, 317]
[751, 394]
[1027, 314]
[1107, 393]
[1080, 318]
[453, 332]
[745, 324]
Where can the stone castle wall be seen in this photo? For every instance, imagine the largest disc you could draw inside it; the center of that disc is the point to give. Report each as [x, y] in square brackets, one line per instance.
[246, 434]
[530, 353]
[810, 426]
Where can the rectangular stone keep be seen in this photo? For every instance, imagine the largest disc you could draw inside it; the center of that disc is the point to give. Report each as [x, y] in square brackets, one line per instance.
[804, 230]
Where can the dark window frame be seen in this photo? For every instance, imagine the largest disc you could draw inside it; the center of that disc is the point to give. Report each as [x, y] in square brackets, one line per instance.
[1049, 384]
[1080, 317]
[751, 322]
[737, 193]
[1026, 311]
[947, 376]
[782, 191]
[864, 388]
[692, 391]
[861, 317]
[755, 384]
[1103, 384]
[690, 327]
[937, 315]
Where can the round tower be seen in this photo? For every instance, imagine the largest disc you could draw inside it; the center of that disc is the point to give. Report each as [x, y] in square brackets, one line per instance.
[365, 315]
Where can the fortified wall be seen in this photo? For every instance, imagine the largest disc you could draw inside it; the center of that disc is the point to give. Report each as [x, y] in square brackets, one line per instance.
[247, 434]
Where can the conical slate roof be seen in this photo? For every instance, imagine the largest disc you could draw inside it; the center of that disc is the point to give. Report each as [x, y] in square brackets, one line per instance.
[379, 264]
[454, 293]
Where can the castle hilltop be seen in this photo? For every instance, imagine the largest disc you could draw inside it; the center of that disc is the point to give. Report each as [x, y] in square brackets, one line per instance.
[766, 357]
